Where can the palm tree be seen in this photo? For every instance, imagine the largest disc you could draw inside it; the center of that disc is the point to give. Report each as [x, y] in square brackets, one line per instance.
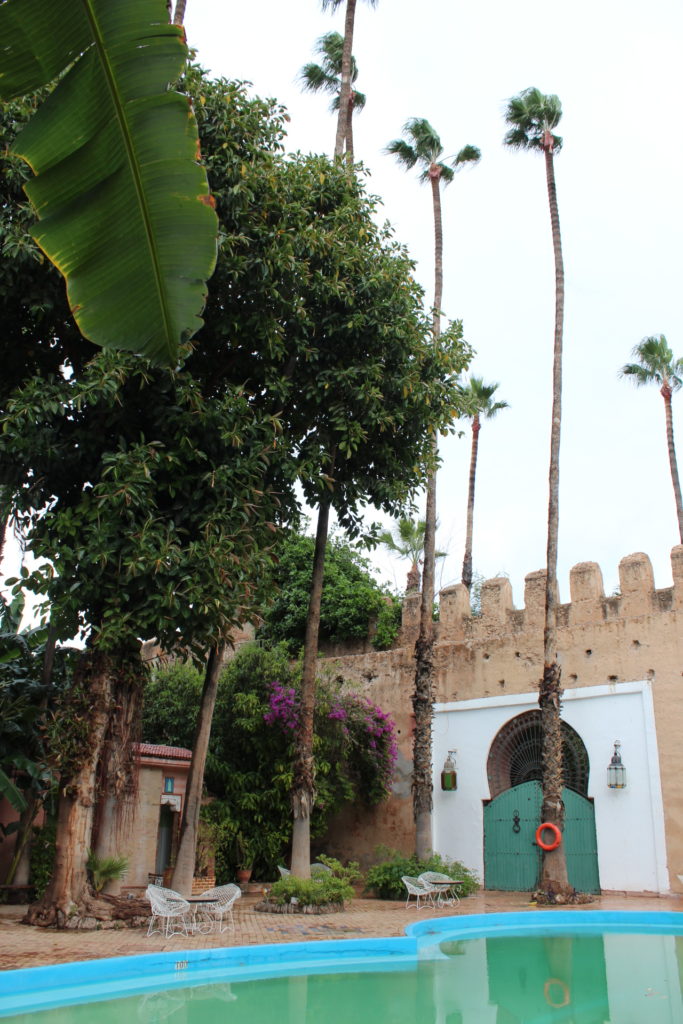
[406, 540]
[345, 90]
[531, 117]
[326, 77]
[656, 365]
[422, 146]
[480, 400]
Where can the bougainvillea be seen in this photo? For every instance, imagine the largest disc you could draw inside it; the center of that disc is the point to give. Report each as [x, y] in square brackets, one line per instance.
[365, 735]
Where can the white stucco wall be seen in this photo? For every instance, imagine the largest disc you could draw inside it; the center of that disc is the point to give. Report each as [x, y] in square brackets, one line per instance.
[629, 822]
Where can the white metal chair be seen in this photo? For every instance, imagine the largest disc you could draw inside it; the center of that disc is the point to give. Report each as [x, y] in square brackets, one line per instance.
[223, 897]
[445, 889]
[284, 872]
[421, 891]
[318, 869]
[170, 907]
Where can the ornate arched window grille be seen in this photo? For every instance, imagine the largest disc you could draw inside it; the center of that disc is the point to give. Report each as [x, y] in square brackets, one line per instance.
[516, 755]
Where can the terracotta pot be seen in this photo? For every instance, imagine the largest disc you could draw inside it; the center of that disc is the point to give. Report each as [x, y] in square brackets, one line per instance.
[243, 875]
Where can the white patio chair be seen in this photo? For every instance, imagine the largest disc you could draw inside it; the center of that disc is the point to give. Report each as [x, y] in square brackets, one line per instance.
[320, 869]
[417, 889]
[170, 907]
[284, 872]
[223, 897]
[444, 893]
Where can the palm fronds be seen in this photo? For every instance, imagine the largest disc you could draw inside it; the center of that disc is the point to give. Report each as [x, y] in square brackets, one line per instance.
[532, 115]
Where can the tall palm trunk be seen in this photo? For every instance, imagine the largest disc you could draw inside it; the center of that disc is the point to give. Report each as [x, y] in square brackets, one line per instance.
[554, 866]
[424, 648]
[303, 789]
[345, 90]
[184, 865]
[179, 16]
[666, 393]
[467, 560]
[349, 128]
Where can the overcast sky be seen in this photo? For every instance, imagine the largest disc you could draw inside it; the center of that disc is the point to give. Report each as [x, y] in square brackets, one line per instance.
[617, 69]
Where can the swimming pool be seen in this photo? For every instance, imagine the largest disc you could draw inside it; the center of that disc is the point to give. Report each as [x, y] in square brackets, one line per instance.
[534, 966]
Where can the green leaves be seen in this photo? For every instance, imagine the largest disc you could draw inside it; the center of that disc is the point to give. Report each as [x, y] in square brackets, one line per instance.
[123, 206]
[531, 116]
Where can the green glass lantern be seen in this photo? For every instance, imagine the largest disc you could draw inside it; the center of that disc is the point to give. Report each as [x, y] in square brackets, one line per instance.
[449, 776]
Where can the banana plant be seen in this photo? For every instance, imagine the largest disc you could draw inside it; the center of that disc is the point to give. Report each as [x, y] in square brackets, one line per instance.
[123, 205]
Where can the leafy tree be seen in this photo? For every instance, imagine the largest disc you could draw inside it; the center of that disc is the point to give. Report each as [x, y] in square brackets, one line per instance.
[32, 679]
[123, 205]
[325, 77]
[657, 365]
[250, 753]
[423, 146]
[482, 407]
[344, 118]
[532, 118]
[351, 597]
[139, 495]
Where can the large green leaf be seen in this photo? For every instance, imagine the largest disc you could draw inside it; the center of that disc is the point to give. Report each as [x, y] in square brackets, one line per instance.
[124, 208]
[11, 793]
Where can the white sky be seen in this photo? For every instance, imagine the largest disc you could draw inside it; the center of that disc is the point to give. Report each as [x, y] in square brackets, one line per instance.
[617, 69]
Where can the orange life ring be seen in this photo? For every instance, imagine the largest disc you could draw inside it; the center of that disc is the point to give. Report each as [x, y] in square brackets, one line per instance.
[556, 833]
[564, 990]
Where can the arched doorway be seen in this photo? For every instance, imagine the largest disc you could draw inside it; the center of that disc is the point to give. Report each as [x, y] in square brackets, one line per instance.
[511, 817]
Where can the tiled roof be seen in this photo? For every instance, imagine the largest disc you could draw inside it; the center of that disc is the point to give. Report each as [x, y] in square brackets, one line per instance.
[158, 750]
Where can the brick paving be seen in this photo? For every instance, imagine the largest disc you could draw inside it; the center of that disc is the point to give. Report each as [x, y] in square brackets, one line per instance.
[22, 946]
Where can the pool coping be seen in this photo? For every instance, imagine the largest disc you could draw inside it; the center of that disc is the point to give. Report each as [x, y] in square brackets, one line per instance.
[36, 988]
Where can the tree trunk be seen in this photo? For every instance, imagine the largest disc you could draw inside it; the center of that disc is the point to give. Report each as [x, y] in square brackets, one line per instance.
[184, 866]
[467, 560]
[179, 16]
[303, 788]
[666, 395]
[554, 868]
[118, 770]
[23, 836]
[345, 90]
[423, 696]
[67, 896]
[349, 130]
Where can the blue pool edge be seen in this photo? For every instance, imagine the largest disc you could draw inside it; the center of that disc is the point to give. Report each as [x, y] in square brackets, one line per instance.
[29, 989]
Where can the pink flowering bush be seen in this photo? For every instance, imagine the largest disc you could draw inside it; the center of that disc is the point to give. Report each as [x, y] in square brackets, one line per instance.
[361, 735]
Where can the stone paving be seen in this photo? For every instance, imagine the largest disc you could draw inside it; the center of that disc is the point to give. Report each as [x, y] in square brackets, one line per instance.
[22, 946]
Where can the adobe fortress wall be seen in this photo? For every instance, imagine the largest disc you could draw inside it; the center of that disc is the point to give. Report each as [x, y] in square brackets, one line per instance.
[637, 635]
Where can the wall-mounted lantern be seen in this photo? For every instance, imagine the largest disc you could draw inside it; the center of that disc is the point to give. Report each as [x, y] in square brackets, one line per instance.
[449, 776]
[616, 772]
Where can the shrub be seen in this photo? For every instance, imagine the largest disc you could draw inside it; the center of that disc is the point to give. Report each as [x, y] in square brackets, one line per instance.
[388, 625]
[105, 869]
[42, 857]
[313, 892]
[351, 873]
[384, 878]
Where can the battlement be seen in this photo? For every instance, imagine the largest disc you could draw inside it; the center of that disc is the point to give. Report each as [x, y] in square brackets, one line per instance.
[588, 606]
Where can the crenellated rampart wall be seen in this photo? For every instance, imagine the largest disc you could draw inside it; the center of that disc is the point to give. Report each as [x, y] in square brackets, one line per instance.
[636, 635]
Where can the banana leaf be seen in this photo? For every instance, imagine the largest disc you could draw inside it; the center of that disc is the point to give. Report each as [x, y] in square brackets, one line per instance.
[123, 205]
[11, 793]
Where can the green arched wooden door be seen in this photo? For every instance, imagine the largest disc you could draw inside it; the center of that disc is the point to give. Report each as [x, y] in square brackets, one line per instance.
[511, 856]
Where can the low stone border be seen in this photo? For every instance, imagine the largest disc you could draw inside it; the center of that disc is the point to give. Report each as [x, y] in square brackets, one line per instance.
[267, 907]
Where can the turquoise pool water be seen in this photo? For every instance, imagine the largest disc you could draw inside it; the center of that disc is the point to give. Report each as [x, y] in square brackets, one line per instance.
[585, 967]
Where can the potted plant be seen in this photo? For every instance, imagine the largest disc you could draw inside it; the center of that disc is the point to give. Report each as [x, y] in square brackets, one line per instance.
[244, 858]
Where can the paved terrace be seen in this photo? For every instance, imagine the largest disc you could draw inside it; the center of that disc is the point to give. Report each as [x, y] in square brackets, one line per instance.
[21, 946]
